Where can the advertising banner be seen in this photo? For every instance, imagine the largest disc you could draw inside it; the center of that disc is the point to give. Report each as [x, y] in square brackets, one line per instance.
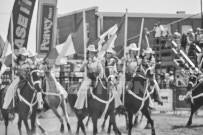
[167, 98]
[46, 26]
[180, 103]
[22, 16]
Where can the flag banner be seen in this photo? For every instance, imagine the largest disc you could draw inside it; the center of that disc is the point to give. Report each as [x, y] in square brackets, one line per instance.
[58, 54]
[119, 42]
[1, 45]
[46, 26]
[22, 16]
[78, 38]
[6, 58]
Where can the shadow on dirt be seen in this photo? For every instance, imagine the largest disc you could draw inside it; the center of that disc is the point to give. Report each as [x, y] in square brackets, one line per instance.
[183, 126]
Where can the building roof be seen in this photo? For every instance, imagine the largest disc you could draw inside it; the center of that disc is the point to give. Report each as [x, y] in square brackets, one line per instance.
[148, 15]
[78, 11]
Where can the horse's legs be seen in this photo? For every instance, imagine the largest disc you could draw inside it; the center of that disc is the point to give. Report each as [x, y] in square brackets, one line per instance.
[130, 116]
[60, 119]
[5, 116]
[87, 122]
[146, 113]
[27, 126]
[33, 124]
[94, 121]
[65, 112]
[113, 122]
[193, 110]
[20, 125]
[103, 124]
[39, 125]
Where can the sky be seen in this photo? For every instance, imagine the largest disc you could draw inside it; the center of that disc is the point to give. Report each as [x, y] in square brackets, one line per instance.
[66, 6]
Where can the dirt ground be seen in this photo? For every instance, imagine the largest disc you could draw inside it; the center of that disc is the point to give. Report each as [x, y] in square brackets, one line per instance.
[165, 124]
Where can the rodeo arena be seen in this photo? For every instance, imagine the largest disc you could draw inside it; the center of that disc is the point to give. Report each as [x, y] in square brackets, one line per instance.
[101, 73]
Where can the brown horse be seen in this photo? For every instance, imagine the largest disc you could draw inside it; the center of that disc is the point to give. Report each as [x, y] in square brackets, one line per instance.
[194, 95]
[53, 99]
[100, 102]
[137, 98]
[26, 103]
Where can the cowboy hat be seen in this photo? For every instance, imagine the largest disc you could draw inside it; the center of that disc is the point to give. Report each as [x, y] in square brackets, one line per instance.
[133, 47]
[91, 48]
[110, 50]
[148, 50]
[23, 51]
[31, 54]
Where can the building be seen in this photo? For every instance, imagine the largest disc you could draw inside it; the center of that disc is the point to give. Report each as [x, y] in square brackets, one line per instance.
[98, 22]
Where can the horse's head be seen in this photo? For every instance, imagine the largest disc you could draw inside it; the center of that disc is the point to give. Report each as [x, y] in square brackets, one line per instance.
[192, 81]
[35, 79]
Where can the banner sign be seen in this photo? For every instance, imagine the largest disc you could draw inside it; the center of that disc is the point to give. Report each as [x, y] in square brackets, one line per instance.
[46, 25]
[22, 16]
[167, 98]
[180, 103]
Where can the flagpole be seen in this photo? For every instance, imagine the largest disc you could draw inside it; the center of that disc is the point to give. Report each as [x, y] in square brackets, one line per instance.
[85, 40]
[12, 47]
[140, 38]
[125, 45]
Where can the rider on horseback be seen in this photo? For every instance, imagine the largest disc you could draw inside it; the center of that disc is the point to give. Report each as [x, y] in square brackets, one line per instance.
[94, 69]
[132, 64]
[149, 62]
[111, 74]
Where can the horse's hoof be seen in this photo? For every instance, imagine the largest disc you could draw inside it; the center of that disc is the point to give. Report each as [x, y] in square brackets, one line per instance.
[188, 124]
[62, 128]
[148, 126]
[68, 126]
[45, 133]
[153, 132]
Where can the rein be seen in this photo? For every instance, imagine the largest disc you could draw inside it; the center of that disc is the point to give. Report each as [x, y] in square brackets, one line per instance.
[32, 103]
[101, 100]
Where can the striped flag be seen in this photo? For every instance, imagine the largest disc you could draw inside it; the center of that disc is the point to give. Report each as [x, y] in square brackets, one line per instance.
[78, 39]
[119, 42]
[107, 45]
[58, 54]
[1, 45]
[6, 58]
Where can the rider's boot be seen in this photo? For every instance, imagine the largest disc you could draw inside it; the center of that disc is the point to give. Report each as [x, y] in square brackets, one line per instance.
[39, 100]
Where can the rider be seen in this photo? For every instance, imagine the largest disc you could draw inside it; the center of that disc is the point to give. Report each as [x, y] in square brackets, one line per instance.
[94, 69]
[149, 62]
[111, 75]
[132, 63]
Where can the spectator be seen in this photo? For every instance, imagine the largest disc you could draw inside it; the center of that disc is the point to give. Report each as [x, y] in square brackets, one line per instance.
[158, 32]
[171, 78]
[201, 39]
[177, 39]
[184, 41]
[200, 60]
[197, 36]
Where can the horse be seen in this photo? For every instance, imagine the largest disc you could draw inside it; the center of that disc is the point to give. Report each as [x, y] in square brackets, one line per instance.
[137, 98]
[53, 98]
[100, 103]
[26, 103]
[194, 95]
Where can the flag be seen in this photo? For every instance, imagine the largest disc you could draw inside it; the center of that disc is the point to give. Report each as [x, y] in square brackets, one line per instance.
[78, 38]
[21, 15]
[6, 58]
[105, 37]
[107, 45]
[145, 40]
[67, 50]
[119, 42]
[1, 45]
[58, 54]
[46, 25]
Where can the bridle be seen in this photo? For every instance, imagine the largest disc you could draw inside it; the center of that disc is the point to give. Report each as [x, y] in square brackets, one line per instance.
[31, 83]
